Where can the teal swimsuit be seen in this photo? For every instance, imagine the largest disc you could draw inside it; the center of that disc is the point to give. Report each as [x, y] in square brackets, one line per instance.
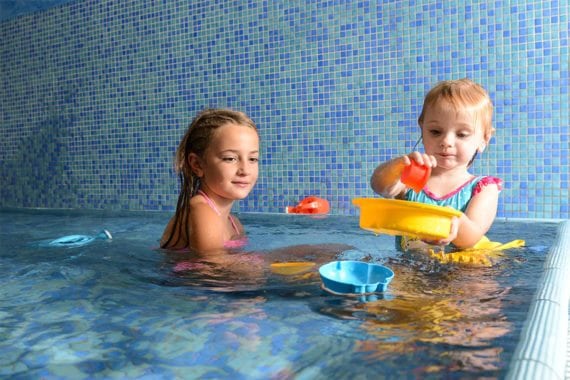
[458, 199]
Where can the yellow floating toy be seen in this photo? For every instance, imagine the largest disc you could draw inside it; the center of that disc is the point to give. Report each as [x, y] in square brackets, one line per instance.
[291, 268]
[420, 221]
[484, 253]
[405, 218]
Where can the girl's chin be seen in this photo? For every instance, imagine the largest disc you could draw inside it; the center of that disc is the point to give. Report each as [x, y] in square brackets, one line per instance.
[240, 193]
[446, 164]
[449, 167]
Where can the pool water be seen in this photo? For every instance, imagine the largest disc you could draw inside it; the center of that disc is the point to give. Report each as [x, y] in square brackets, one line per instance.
[122, 308]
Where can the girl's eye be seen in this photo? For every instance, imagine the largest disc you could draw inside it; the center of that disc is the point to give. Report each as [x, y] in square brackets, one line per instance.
[254, 159]
[228, 159]
[434, 132]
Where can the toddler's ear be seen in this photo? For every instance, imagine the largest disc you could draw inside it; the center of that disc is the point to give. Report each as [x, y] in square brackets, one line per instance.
[195, 164]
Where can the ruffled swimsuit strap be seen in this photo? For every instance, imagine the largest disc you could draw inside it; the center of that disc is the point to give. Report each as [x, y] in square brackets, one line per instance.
[485, 181]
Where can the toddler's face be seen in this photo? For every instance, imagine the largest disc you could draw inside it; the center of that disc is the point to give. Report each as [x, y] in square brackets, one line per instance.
[230, 164]
[452, 136]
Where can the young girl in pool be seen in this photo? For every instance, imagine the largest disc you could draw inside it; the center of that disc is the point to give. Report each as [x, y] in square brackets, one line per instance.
[217, 161]
[455, 126]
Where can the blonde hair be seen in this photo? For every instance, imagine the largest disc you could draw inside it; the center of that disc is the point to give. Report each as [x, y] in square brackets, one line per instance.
[463, 94]
[196, 140]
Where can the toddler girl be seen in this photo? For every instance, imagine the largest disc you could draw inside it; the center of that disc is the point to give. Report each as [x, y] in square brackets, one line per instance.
[455, 126]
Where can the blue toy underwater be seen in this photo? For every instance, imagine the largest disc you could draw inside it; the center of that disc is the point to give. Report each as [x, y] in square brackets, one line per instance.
[79, 240]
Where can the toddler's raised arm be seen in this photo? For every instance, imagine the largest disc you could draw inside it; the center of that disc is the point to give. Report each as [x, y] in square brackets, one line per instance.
[385, 179]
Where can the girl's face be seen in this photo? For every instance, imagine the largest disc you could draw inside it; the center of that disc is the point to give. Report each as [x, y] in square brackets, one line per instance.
[229, 168]
[452, 136]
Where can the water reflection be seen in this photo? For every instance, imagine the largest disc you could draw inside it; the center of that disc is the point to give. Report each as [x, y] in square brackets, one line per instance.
[239, 271]
[451, 314]
[454, 313]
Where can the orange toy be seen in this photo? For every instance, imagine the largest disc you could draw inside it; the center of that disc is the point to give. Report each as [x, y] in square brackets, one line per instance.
[309, 205]
[415, 176]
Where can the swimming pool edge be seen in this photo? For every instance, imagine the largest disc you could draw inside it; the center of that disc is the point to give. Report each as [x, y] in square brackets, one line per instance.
[542, 349]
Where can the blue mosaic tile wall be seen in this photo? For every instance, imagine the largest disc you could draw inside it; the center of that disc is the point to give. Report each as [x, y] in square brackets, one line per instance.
[10, 9]
[96, 95]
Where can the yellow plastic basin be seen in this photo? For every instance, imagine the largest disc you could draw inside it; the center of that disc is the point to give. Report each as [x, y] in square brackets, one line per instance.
[398, 217]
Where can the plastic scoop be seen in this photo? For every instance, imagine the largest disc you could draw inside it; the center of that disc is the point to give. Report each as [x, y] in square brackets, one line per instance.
[415, 176]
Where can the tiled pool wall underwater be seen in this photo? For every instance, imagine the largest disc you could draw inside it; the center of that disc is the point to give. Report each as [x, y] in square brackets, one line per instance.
[96, 95]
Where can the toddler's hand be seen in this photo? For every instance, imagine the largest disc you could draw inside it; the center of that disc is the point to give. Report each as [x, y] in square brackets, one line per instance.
[421, 159]
[452, 234]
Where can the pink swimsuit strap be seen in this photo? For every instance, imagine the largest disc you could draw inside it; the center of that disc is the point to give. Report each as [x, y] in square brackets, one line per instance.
[213, 207]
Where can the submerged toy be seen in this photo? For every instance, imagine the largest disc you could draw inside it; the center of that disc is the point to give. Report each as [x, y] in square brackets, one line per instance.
[309, 205]
[405, 218]
[79, 240]
[355, 277]
[291, 268]
[481, 254]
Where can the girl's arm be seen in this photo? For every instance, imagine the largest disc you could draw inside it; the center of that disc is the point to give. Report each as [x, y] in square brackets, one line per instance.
[467, 230]
[386, 177]
[478, 217]
[205, 229]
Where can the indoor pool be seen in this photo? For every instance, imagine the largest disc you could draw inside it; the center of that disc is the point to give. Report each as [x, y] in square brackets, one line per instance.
[122, 308]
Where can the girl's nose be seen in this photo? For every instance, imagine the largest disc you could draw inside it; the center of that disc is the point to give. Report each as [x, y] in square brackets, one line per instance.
[447, 140]
[242, 168]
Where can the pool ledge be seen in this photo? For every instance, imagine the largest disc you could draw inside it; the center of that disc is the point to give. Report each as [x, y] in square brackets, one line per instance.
[542, 350]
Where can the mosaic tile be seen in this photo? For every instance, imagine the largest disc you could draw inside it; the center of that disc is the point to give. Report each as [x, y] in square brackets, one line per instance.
[96, 95]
